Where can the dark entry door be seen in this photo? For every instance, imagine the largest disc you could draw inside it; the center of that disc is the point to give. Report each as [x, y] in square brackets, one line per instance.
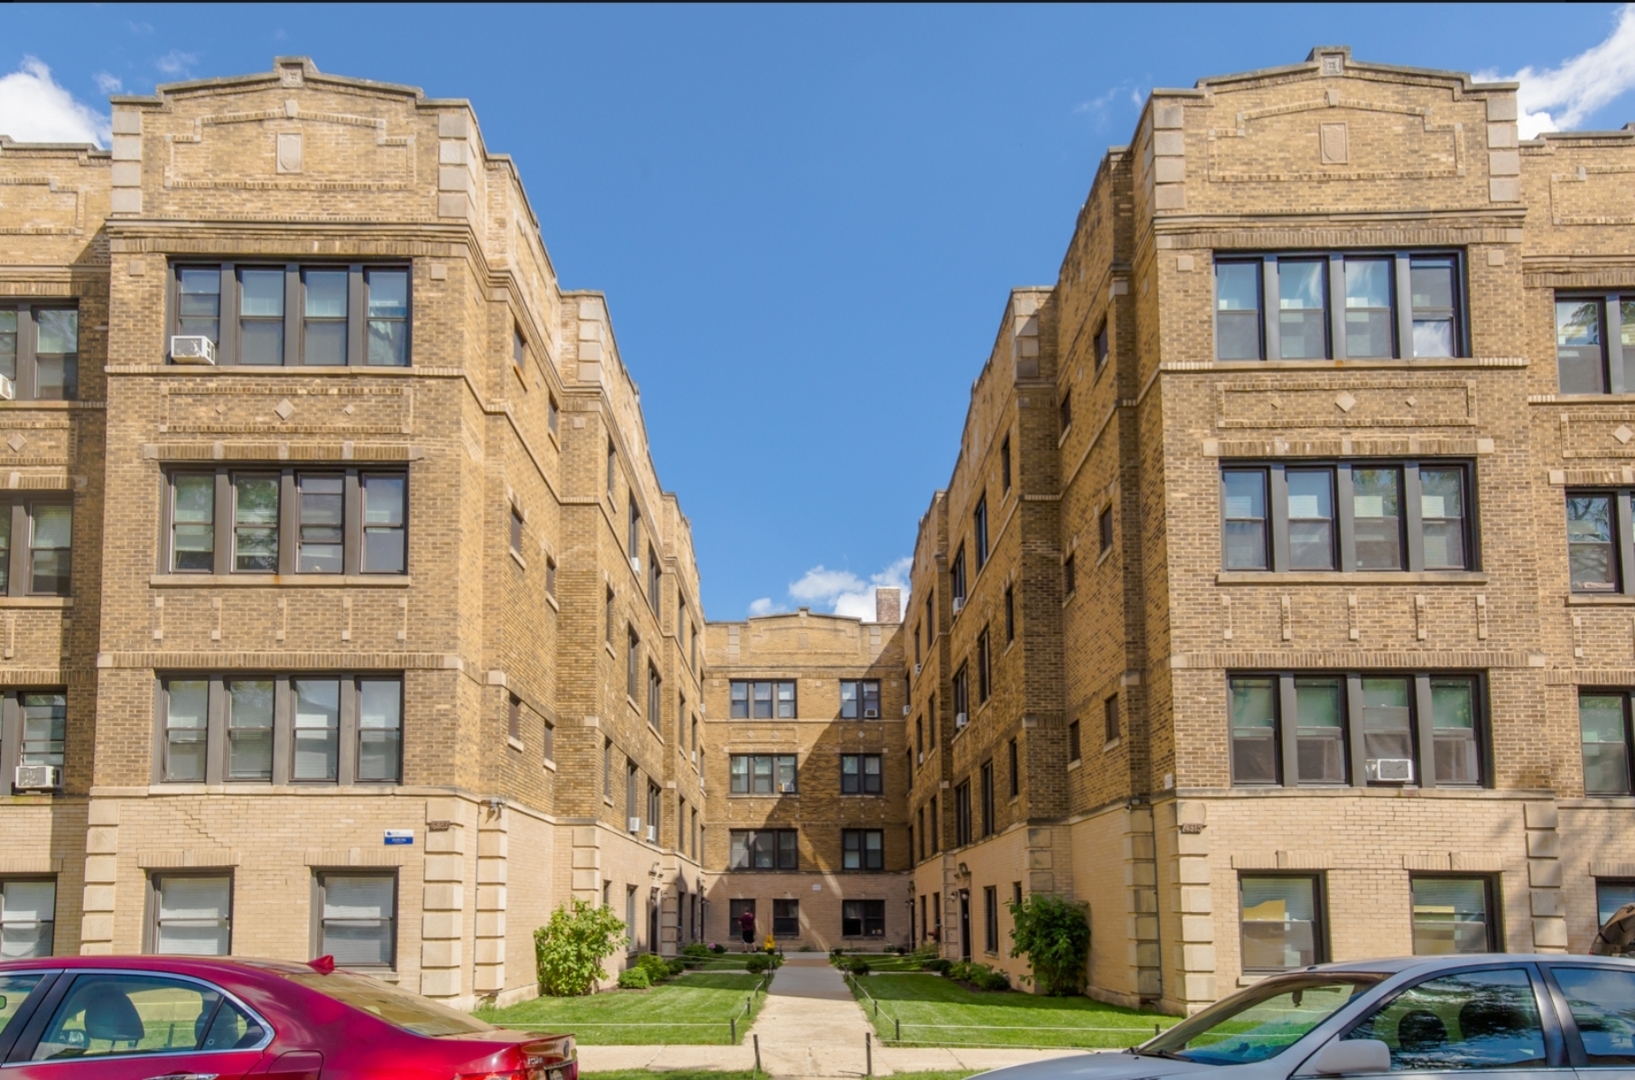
[964, 925]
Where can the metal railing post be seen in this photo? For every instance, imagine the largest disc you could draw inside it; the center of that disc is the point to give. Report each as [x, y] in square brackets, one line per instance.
[734, 1022]
[897, 1026]
[868, 1053]
[757, 1039]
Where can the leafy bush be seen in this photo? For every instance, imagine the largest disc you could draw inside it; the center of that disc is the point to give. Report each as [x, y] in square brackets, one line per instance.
[718, 949]
[939, 964]
[757, 965]
[569, 950]
[980, 976]
[676, 966]
[697, 948]
[655, 966]
[858, 966]
[634, 979]
[1054, 934]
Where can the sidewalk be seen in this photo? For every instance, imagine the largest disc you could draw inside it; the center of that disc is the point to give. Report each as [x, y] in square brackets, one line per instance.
[810, 1026]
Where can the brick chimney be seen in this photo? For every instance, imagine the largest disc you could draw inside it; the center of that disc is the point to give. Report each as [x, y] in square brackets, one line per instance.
[888, 605]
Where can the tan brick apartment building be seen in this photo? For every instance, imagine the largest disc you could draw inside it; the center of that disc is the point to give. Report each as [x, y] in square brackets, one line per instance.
[1279, 604]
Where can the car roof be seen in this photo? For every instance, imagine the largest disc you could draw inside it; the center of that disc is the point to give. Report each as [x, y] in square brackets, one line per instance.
[1394, 965]
[161, 962]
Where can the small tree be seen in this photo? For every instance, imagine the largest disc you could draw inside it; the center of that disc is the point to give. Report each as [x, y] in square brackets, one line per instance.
[1054, 934]
[569, 950]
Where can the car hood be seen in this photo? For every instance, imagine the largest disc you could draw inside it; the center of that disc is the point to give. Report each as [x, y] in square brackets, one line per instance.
[1102, 1066]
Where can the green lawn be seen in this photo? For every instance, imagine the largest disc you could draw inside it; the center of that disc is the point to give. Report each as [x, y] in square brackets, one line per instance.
[879, 961]
[934, 1011]
[690, 1009]
[711, 1074]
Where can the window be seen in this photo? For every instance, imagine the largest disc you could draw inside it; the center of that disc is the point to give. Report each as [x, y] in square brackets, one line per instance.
[519, 350]
[35, 548]
[607, 769]
[1005, 464]
[1453, 915]
[1282, 922]
[1602, 1003]
[1348, 517]
[763, 849]
[633, 539]
[860, 699]
[962, 814]
[919, 737]
[863, 918]
[990, 918]
[1610, 895]
[986, 775]
[632, 664]
[962, 698]
[766, 700]
[1104, 528]
[1600, 556]
[611, 620]
[1010, 614]
[612, 467]
[786, 918]
[1341, 721]
[39, 351]
[654, 696]
[920, 817]
[632, 776]
[957, 579]
[1604, 731]
[862, 849]
[979, 531]
[550, 577]
[109, 1014]
[860, 774]
[549, 741]
[323, 315]
[1483, 1020]
[654, 575]
[28, 918]
[357, 918]
[1595, 337]
[1069, 578]
[192, 914]
[1065, 409]
[216, 728]
[762, 774]
[1109, 718]
[655, 816]
[553, 414]
[347, 521]
[1103, 346]
[1332, 306]
[513, 718]
[516, 520]
[984, 668]
[936, 826]
[1015, 770]
[1074, 750]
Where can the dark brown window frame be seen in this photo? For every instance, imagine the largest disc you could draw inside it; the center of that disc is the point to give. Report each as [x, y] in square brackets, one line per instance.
[749, 698]
[778, 850]
[11, 733]
[319, 885]
[864, 690]
[1320, 931]
[1614, 374]
[856, 842]
[776, 763]
[27, 381]
[155, 889]
[962, 813]
[861, 776]
[1622, 541]
[20, 565]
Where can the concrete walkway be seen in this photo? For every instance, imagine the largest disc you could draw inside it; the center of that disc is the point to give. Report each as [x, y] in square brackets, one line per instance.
[809, 1026]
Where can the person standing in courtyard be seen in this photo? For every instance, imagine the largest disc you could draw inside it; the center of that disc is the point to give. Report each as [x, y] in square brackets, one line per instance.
[746, 923]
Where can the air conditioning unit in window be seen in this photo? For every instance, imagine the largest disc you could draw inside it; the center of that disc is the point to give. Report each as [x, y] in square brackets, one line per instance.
[1398, 770]
[192, 349]
[960, 720]
[8, 389]
[35, 777]
[652, 834]
[905, 710]
[921, 760]
[786, 789]
[917, 669]
[693, 757]
[871, 714]
[636, 563]
[959, 602]
[635, 824]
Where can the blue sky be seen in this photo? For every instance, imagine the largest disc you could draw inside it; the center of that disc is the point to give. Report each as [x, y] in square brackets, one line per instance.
[806, 219]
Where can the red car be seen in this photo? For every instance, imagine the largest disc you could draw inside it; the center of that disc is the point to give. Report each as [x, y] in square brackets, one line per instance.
[196, 1018]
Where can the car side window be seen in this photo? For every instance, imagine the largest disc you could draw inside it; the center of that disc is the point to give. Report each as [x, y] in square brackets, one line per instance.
[1602, 1002]
[14, 990]
[1472, 1020]
[107, 1014]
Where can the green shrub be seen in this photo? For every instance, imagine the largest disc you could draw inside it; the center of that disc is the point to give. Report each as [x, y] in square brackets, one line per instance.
[776, 959]
[634, 979]
[757, 965]
[718, 949]
[569, 950]
[858, 966]
[656, 967]
[984, 977]
[1054, 934]
[676, 966]
[939, 964]
[697, 948]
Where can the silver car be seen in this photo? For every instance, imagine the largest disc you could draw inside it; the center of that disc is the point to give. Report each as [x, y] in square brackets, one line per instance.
[1514, 1016]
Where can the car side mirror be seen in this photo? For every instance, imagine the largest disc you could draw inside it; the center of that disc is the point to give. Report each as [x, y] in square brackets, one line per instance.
[1351, 1056]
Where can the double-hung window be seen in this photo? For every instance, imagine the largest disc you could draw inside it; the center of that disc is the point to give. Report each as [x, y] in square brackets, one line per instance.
[863, 918]
[36, 547]
[319, 315]
[33, 731]
[39, 351]
[28, 920]
[986, 774]
[655, 697]
[962, 698]
[860, 699]
[1282, 921]
[1595, 338]
[979, 531]
[957, 579]
[287, 521]
[1604, 732]
[1600, 556]
[762, 700]
[1348, 516]
[862, 849]
[762, 774]
[355, 918]
[984, 667]
[191, 913]
[282, 729]
[1306, 728]
[860, 774]
[1350, 306]
[763, 849]
[962, 813]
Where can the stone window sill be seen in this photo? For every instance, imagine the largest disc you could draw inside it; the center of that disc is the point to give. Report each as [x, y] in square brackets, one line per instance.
[1418, 363]
[333, 581]
[517, 558]
[513, 742]
[36, 601]
[1076, 763]
[1356, 577]
[1598, 599]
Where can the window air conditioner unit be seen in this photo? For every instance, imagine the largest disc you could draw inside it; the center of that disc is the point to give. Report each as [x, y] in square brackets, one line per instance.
[635, 824]
[786, 789]
[905, 710]
[192, 349]
[652, 834]
[1391, 769]
[960, 720]
[8, 389]
[693, 757]
[871, 714]
[35, 777]
[921, 757]
[959, 602]
[636, 563]
[917, 669]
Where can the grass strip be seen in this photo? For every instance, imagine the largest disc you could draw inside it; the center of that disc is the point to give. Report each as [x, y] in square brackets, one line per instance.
[693, 1009]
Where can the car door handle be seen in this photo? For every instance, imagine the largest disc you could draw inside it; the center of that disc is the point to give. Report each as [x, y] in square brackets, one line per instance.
[185, 1076]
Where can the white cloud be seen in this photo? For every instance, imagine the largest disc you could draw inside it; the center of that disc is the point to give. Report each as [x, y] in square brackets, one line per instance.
[1101, 105]
[33, 108]
[763, 606]
[176, 62]
[108, 84]
[1561, 98]
[841, 591]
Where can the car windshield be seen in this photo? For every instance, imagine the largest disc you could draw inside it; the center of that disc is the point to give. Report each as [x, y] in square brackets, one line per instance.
[411, 1012]
[1260, 1022]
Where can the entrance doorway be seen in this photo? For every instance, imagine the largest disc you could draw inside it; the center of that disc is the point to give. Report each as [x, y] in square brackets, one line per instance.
[965, 925]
